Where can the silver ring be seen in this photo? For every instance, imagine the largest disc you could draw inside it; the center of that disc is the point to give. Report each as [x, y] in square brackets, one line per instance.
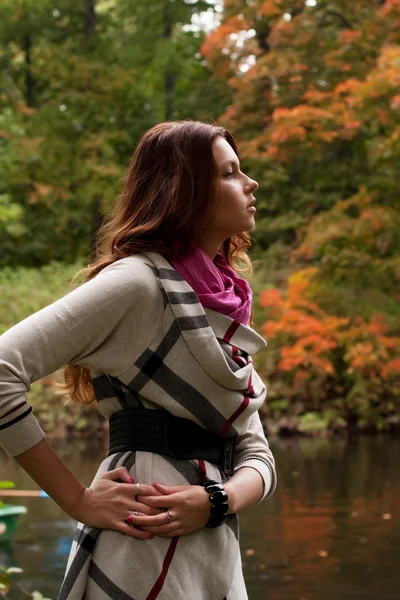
[170, 517]
[135, 513]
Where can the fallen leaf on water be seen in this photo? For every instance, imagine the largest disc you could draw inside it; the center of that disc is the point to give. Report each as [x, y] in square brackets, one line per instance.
[322, 553]
[250, 552]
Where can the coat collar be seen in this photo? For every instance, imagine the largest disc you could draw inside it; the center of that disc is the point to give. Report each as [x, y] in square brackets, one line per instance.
[204, 329]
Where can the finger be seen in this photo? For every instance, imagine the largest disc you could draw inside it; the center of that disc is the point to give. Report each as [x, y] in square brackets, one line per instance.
[143, 489]
[150, 520]
[161, 501]
[148, 510]
[133, 532]
[119, 474]
[169, 489]
[137, 490]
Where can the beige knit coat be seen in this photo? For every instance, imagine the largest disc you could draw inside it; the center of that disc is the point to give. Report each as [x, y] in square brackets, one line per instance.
[141, 324]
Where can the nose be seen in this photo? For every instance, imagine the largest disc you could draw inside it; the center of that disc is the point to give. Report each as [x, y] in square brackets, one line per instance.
[251, 185]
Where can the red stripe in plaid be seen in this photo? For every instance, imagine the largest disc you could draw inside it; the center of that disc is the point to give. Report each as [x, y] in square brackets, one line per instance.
[157, 587]
[203, 470]
[239, 360]
[250, 384]
[230, 331]
[235, 415]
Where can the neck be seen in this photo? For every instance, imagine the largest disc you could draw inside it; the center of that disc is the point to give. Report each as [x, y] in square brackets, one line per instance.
[210, 246]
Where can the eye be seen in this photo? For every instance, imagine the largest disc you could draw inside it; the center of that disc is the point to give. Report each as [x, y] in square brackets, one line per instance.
[229, 174]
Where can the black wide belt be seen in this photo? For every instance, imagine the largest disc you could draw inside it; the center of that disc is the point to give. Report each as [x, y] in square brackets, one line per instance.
[160, 432]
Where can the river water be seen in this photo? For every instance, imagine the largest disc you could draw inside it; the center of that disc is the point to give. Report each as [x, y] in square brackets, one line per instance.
[330, 532]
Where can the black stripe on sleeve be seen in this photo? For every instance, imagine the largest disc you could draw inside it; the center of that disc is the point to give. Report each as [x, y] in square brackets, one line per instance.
[16, 419]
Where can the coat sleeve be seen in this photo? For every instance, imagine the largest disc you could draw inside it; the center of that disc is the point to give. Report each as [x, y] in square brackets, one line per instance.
[93, 326]
[253, 451]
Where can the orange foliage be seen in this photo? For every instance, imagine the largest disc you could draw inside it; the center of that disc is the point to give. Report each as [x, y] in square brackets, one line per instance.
[307, 335]
[218, 45]
[319, 112]
[271, 298]
[311, 332]
[271, 8]
[390, 6]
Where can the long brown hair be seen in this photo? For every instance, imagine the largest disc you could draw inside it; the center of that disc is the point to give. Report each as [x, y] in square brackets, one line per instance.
[164, 204]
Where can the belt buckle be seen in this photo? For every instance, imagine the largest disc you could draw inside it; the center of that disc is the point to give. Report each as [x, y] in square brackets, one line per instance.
[228, 455]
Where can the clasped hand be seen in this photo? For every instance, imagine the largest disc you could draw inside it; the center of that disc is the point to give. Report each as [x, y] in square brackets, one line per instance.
[142, 511]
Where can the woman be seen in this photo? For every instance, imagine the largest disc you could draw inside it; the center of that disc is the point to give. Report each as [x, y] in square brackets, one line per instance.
[159, 335]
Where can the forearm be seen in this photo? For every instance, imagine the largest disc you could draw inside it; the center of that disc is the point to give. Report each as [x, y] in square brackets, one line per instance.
[51, 475]
[245, 488]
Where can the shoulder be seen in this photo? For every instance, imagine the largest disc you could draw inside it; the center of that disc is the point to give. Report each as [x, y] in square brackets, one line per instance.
[132, 268]
[131, 275]
[124, 286]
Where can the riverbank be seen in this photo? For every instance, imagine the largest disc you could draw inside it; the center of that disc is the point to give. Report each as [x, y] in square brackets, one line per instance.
[63, 419]
[299, 403]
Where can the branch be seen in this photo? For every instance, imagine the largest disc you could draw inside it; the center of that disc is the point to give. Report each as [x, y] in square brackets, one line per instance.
[334, 13]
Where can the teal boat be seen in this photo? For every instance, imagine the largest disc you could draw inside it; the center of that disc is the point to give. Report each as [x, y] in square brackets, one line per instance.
[9, 515]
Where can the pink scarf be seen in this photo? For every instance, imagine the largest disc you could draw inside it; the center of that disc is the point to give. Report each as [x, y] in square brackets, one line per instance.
[216, 284]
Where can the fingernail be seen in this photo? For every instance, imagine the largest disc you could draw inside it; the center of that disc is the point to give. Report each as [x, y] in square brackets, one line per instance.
[150, 536]
[131, 479]
[129, 519]
[156, 483]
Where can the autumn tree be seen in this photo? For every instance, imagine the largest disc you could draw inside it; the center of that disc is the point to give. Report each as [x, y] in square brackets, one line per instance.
[315, 105]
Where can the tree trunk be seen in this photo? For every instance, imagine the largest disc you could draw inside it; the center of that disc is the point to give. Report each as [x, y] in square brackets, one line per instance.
[29, 82]
[90, 22]
[97, 221]
[90, 38]
[169, 78]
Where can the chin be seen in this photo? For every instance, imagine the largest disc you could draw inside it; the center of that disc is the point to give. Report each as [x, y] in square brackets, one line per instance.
[251, 226]
[246, 227]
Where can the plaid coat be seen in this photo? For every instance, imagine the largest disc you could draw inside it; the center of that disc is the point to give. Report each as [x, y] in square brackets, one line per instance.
[142, 324]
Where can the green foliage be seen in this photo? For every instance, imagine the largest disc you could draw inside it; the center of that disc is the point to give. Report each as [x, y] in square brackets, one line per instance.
[80, 88]
[24, 291]
[61, 418]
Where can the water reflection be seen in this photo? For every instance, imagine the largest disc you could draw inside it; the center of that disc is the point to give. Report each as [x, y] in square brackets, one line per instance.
[332, 529]
[330, 532]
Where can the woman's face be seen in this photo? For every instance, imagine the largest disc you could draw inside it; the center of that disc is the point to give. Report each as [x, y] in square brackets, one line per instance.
[233, 211]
